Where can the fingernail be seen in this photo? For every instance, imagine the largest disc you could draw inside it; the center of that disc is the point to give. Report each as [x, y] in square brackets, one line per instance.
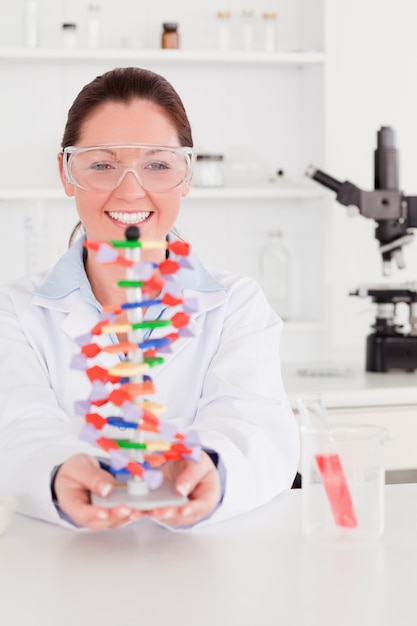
[105, 490]
[183, 489]
[103, 515]
[124, 512]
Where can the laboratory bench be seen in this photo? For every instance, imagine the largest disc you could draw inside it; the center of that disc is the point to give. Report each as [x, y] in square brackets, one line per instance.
[254, 570]
[350, 394]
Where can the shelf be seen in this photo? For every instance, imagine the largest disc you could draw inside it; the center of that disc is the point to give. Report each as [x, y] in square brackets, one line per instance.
[273, 191]
[296, 58]
[32, 194]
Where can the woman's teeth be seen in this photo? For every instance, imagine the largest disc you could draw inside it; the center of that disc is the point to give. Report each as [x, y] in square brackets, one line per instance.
[129, 218]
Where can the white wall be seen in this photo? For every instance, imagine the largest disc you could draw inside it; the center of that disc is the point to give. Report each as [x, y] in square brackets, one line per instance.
[372, 78]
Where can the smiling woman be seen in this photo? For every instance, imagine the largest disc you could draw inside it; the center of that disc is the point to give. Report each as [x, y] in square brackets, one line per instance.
[127, 159]
[117, 163]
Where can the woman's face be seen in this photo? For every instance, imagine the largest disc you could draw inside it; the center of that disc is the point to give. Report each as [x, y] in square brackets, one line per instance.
[106, 215]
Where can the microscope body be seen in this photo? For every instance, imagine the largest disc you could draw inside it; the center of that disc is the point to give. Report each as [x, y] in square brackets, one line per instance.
[388, 347]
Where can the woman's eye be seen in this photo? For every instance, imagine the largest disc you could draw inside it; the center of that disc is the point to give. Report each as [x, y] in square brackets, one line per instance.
[156, 166]
[101, 167]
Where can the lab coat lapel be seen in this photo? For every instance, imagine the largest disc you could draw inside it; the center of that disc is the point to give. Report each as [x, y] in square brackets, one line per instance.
[78, 317]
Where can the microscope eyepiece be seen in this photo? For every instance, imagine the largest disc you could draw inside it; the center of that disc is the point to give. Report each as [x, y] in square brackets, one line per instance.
[385, 137]
[323, 178]
[386, 160]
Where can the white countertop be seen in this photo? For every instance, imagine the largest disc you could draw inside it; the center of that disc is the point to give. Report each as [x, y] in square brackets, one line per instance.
[255, 570]
[349, 385]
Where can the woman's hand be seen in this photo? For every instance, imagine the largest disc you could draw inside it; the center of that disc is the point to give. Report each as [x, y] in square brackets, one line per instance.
[74, 481]
[82, 474]
[200, 482]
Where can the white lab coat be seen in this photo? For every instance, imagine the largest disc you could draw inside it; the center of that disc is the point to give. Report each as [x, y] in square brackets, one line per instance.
[225, 382]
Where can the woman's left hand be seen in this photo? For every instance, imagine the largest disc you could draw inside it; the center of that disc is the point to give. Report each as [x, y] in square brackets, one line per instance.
[199, 481]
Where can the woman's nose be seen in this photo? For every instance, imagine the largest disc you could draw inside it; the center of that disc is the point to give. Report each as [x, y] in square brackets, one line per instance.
[130, 185]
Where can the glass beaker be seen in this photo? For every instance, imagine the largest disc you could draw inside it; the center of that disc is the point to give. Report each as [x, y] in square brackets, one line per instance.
[343, 481]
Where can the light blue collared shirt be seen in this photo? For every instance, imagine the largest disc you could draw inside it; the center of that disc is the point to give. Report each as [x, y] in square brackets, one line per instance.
[69, 274]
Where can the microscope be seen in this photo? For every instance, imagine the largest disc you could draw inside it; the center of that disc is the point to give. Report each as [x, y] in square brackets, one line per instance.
[389, 346]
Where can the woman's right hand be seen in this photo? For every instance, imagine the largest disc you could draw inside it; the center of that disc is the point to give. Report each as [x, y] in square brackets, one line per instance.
[74, 480]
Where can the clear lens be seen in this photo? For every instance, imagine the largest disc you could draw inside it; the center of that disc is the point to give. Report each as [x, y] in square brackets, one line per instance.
[102, 168]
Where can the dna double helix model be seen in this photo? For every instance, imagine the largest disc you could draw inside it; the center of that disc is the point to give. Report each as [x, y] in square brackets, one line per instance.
[119, 417]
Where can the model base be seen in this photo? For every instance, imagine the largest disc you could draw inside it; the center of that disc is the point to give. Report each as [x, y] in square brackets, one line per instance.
[164, 496]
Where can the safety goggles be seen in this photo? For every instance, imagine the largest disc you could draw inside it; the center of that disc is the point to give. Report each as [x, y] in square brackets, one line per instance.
[103, 168]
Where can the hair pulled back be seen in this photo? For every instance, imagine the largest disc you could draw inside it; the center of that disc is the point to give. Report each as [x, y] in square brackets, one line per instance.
[124, 85]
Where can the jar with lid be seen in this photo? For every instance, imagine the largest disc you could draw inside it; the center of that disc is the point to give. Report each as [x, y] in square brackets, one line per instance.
[269, 23]
[69, 34]
[208, 170]
[170, 36]
[275, 273]
[223, 30]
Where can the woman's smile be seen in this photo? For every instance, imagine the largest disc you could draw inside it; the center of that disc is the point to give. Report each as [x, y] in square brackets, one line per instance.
[124, 217]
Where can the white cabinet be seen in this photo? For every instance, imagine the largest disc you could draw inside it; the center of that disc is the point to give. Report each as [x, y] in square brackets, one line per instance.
[351, 395]
[260, 107]
[400, 422]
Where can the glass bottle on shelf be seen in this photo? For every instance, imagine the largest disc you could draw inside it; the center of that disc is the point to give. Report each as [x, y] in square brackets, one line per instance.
[269, 23]
[93, 26]
[247, 29]
[223, 30]
[69, 34]
[208, 170]
[170, 36]
[31, 23]
[274, 273]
